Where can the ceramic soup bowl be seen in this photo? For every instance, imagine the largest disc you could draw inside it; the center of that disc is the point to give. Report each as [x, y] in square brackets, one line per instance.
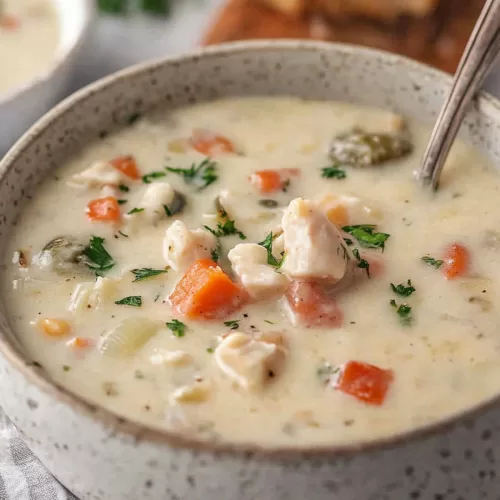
[100, 456]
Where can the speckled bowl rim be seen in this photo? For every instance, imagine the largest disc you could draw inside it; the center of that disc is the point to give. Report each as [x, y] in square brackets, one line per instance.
[61, 56]
[141, 432]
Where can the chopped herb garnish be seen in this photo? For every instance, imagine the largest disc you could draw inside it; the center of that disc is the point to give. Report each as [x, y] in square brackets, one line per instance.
[168, 212]
[268, 321]
[121, 202]
[210, 350]
[268, 245]
[148, 178]
[100, 260]
[348, 242]
[404, 312]
[362, 263]
[202, 174]
[134, 301]
[333, 172]
[367, 236]
[123, 188]
[66, 368]
[401, 289]
[112, 6]
[431, 261]
[233, 324]
[286, 185]
[135, 211]
[215, 252]
[177, 328]
[139, 375]
[123, 234]
[228, 228]
[146, 272]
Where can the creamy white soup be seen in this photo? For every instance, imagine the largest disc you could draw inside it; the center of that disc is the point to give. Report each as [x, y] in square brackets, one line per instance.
[264, 270]
[29, 35]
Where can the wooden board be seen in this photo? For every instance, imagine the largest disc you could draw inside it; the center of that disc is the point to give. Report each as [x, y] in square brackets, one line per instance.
[438, 40]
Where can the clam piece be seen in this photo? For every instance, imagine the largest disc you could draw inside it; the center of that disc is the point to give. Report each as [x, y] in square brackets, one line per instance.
[250, 361]
[62, 255]
[127, 337]
[363, 149]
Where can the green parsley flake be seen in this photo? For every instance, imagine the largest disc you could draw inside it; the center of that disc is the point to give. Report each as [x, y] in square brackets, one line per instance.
[271, 259]
[168, 212]
[362, 263]
[333, 172]
[404, 313]
[431, 261]
[228, 228]
[123, 188]
[135, 211]
[146, 272]
[177, 328]
[233, 324]
[148, 178]
[401, 289]
[366, 235]
[100, 260]
[202, 174]
[134, 301]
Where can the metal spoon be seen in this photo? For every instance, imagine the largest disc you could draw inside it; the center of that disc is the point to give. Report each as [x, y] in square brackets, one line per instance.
[476, 63]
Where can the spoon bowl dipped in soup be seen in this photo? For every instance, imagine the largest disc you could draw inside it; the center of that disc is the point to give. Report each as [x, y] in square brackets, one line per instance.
[263, 273]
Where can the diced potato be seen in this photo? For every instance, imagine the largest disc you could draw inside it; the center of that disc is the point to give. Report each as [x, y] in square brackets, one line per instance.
[249, 263]
[98, 175]
[182, 247]
[197, 392]
[172, 358]
[344, 210]
[314, 248]
[250, 363]
[92, 295]
[127, 337]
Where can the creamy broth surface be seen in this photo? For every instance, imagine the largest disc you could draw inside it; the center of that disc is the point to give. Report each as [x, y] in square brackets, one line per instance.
[29, 35]
[438, 358]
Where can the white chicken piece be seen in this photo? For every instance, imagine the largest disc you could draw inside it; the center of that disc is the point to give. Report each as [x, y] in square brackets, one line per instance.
[343, 210]
[87, 296]
[181, 246]
[250, 362]
[171, 358]
[157, 196]
[99, 174]
[260, 280]
[314, 248]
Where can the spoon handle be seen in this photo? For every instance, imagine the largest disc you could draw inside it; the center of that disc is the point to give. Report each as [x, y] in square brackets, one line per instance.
[476, 62]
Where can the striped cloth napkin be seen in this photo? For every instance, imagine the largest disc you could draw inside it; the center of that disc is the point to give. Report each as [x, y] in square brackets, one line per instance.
[22, 476]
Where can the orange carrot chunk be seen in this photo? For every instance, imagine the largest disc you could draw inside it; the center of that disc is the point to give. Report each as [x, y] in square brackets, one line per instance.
[456, 261]
[206, 292]
[127, 166]
[311, 305]
[54, 327]
[365, 382]
[267, 181]
[104, 210]
[9, 22]
[270, 181]
[79, 343]
[211, 144]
